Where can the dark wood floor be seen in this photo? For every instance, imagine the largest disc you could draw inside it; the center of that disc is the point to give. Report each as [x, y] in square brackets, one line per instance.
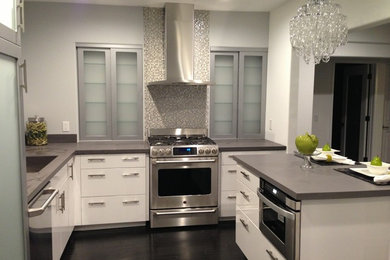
[205, 242]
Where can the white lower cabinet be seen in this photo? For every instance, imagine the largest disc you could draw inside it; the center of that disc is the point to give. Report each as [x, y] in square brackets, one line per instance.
[228, 175]
[63, 213]
[113, 189]
[249, 238]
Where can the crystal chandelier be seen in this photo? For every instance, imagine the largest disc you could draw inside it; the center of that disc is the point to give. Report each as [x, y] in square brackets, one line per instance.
[317, 30]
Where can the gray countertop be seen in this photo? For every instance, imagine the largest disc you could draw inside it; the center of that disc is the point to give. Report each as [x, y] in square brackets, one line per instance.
[247, 145]
[321, 182]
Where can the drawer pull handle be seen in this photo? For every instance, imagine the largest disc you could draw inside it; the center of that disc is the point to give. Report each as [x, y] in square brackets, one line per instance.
[243, 223]
[96, 160]
[96, 175]
[232, 171]
[245, 175]
[126, 174]
[246, 196]
[135, 158]
[96, 203]
[271, 254]
[130, 201]
[231, 196]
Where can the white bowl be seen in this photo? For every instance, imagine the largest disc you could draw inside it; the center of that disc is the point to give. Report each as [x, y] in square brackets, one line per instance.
[378, 170]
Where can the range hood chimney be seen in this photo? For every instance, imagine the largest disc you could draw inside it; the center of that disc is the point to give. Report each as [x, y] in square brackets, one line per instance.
[179, 42]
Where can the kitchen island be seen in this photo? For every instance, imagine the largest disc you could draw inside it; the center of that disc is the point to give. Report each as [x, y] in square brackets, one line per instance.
[341, 217]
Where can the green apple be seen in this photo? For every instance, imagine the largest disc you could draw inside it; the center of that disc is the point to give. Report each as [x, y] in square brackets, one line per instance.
[306, 144]
[376, 161]
[326, 148]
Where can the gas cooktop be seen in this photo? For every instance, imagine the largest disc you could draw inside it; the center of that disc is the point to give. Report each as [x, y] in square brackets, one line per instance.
[181, 142]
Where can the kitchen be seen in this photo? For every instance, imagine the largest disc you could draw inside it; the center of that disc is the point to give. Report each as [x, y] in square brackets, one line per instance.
[286, 119]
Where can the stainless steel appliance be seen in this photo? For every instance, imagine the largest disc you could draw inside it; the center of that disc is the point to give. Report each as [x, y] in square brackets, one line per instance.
[183, 178]
[280, 220]
[40, 225]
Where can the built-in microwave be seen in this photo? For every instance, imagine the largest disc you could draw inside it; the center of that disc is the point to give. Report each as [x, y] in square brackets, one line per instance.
[279, 219]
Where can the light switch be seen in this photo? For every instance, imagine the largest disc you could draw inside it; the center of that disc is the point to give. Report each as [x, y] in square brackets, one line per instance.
[65, 126]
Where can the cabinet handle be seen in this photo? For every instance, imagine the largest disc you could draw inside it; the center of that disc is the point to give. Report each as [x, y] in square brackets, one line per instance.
[96, 175]
[126, 174]
[20, 6]
[96, 159]
[23, 67]
[271, 254]
[130, 201]
[243, 223]
[232, 171]
[245, 175]
[70, 166]
[96, 203]
[62, 202]
[246, 196]
[135, 158]
[231, 196]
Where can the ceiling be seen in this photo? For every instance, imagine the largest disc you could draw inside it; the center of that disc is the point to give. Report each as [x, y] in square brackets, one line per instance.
[215, 5]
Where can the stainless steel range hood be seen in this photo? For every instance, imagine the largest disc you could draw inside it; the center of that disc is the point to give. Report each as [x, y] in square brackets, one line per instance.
[179, 42]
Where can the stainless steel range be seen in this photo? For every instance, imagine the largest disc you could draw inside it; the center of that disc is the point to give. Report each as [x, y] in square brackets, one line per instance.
[183, 178]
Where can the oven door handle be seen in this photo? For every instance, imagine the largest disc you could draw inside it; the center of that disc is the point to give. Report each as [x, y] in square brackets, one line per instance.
[185, 212]
[189, 161]
[279, 210]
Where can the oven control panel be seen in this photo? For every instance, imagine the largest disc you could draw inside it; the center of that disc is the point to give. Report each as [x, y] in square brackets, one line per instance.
[183, 151]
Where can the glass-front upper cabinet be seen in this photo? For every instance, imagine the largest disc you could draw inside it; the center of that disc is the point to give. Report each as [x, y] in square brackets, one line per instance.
[11, 20]
[110, 93]
[237, 107]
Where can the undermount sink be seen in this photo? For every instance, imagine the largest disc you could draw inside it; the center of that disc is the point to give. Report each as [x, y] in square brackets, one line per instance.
[37, 163]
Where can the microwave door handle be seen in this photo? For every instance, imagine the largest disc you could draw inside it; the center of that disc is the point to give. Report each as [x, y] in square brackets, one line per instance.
[279, 210]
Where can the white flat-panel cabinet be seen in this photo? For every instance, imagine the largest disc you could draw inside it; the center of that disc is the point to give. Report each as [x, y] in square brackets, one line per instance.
[229, 172]
[63, 213]
[113, 188]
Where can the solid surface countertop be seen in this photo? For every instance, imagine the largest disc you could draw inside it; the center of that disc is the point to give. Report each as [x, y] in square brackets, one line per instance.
[35, 181]
[321, 182]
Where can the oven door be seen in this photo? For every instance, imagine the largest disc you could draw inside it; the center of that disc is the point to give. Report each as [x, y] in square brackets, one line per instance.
[280, 225]
[184, 182]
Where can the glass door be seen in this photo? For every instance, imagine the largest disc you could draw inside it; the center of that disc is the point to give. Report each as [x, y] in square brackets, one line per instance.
[251, 95]
[12, 200]
[126, 78]
[224, 67]
[9, 27]
[94, 101]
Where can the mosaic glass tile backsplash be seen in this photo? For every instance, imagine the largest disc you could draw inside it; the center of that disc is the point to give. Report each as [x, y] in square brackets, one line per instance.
[175, 106]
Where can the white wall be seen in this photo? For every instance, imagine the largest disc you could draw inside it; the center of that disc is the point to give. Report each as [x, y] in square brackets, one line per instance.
[283, 77]
[49, 46]
[239, 29]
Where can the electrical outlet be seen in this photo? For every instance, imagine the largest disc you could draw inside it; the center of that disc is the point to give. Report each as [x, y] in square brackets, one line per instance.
[65, 126]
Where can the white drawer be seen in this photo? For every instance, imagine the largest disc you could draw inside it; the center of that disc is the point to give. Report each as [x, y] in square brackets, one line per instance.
[228, 203]
[248, 237]
[228, 177]
[112, 160]
[115, 209]
[246, 198]
[226, 156]
[248, 178]
[116, 181]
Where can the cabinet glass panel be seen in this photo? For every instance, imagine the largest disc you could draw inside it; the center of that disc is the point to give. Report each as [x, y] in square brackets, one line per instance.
[223, 94]
[11, 221]
[127, 93]
[8, 13]
[95, 93]
[252, 84]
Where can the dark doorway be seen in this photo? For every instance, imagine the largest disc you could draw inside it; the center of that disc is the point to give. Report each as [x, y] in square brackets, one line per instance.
[351, 110]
